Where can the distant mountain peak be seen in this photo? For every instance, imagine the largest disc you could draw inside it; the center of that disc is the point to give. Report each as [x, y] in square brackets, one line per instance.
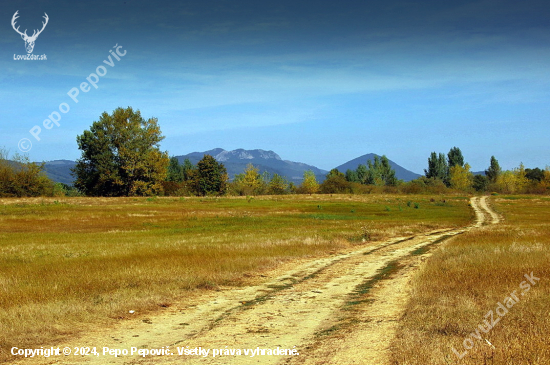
[235, 162]
[242, 154]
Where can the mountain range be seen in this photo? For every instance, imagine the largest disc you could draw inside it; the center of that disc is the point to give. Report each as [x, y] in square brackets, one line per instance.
[236, 161]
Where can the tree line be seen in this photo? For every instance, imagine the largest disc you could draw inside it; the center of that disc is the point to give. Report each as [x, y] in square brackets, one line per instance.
[120, 156]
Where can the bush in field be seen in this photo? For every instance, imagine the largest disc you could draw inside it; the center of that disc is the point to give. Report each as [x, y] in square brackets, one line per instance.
[172, 188]
[424, 185]
[21, 178]
[335, 183]
[416, 186]
[61, 189]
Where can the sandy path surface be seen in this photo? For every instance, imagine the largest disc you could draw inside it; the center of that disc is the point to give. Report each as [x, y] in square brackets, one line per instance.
[342, 309]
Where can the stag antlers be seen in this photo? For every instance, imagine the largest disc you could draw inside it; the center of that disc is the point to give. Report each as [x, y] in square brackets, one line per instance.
[29, 41]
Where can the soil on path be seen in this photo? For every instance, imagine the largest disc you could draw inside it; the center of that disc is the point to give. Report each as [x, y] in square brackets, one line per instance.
[342, 309]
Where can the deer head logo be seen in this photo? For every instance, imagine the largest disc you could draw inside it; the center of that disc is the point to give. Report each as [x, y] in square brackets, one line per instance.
[29, 41]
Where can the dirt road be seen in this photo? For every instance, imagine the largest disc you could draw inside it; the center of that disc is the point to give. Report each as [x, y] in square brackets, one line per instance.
[338, 310]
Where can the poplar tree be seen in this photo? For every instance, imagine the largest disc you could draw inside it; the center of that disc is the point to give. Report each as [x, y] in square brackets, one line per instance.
[493, 171]
[437, 167]
[455, 157]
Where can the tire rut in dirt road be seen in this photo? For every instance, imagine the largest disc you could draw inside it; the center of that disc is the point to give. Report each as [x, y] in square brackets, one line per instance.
[303, 312]
[307, 308]
[363, 334]
[288, 311]
[495, 218]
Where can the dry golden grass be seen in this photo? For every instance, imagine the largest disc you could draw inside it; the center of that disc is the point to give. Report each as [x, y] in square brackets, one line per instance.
[70, 264]
[469, 277]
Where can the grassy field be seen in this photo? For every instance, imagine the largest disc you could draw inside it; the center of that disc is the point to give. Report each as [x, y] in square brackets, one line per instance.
[70, 264]
[474, 290]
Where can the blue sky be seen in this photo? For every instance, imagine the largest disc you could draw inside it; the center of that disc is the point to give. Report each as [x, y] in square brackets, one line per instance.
[319, 82]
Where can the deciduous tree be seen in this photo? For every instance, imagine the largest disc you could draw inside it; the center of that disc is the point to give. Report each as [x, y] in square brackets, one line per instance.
[480, 183]
[309, 184]
[21, 178]
[250, 182]
[278, 185]
[460, 177]
[335, 182]
[121, 156]
[380, 172]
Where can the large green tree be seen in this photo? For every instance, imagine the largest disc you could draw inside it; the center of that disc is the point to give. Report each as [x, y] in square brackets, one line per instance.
[121, 156]
[211, 177]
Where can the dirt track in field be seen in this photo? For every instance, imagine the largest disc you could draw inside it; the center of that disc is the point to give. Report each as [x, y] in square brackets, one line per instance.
[338, 310]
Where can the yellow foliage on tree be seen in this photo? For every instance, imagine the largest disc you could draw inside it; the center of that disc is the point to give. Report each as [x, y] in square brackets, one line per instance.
[460, 177]
[513, 182]
[250, 182]
[507, 182]
[546, 180]
[309, 184]
[521, 179]
[20, 177]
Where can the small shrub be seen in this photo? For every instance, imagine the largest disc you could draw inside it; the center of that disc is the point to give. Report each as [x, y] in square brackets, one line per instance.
[366, 233]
